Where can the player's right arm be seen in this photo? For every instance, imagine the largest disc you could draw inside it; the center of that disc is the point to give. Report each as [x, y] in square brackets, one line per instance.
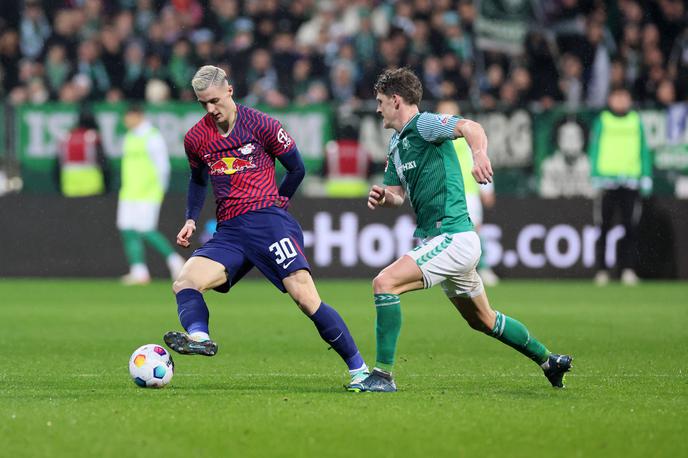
[198, 183]
[389, 196]
[392, 194]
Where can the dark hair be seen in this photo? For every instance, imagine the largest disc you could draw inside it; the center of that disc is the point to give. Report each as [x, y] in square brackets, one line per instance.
[135, 107]
[402, 82]
[87, 120]
[618, 88]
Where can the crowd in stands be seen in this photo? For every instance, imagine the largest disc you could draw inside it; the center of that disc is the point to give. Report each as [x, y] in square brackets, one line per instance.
[306, 51]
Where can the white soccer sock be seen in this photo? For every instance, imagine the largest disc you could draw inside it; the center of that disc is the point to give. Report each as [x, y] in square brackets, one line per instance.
[363, 368]
[139, 270]
[199, 336]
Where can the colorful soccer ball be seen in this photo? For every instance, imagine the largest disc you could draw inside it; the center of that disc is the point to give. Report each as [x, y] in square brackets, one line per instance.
[151, 366]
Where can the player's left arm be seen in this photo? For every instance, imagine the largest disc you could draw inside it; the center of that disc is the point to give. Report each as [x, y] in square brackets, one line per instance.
[436, 128]
[293, 163]
[477, 141]
[279, 143]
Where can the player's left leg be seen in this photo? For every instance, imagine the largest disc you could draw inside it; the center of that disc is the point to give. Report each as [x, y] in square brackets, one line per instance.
[476, 310]
[328, 322]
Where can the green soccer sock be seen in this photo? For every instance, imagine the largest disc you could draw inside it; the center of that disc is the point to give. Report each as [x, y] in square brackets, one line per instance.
[133, 247]
[515, 334]
[159, 243]
[387, 328]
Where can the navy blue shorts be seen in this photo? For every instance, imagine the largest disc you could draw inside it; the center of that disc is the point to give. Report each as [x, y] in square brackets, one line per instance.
[269, 239]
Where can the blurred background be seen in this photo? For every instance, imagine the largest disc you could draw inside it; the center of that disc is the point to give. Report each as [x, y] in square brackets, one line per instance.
[534, 73]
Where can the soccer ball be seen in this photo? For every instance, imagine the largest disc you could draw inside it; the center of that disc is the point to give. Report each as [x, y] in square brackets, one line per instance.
[151, 366]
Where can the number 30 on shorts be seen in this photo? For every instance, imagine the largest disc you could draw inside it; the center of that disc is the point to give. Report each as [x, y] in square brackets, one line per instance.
[283, 250]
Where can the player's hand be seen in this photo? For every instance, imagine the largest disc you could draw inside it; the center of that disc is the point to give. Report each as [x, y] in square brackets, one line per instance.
[376, 197]
[482, 169]
[184, 236]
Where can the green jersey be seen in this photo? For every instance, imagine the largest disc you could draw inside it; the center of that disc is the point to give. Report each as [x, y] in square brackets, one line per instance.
[421, 158]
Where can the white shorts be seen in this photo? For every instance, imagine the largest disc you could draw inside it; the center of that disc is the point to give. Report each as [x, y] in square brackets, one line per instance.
[450, 259]
[475, 209]
[137, 216]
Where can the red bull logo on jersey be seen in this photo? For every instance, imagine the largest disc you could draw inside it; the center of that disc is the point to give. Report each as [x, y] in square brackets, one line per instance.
[230, 165]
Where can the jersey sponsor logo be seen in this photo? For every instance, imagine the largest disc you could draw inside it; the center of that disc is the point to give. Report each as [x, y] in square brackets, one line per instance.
[230, 165]
[284, 138]
[443, 118]
[247, 149]
[408, 165]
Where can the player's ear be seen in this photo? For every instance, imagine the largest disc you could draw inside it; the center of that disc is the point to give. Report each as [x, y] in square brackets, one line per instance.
[230, 89]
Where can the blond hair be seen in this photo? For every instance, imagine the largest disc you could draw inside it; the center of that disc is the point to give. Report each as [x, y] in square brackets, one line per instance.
[207, 76]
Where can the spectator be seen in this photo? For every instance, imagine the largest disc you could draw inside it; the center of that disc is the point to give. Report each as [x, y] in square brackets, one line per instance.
[34, 29]
[571, 82]
[432, 78]
[144, 16]
[372, 35]
[542, 67]
[91, 66]
[112, 55]
[57, 69]
[10, 56]
[596, 57]
[666, 93]
[134, 80]
[181, 69]
[92, 18]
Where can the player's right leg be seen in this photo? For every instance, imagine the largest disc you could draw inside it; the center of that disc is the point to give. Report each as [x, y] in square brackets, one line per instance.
[198, 275]
[131, 222]
[399, 277]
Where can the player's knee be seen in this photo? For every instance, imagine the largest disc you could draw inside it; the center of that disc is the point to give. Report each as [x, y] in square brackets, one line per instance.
[481, 322]
[383, 283]
[184, 282]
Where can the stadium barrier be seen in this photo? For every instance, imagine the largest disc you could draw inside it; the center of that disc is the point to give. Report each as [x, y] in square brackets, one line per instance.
[51, 236]
[533, 153]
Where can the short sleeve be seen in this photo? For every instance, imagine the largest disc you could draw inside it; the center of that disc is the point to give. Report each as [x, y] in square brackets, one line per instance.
[434, 127]
[191, 150]
[276, 140]
[391, 178]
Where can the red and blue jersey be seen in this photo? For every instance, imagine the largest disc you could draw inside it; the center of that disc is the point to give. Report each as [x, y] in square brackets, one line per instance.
[241, 165]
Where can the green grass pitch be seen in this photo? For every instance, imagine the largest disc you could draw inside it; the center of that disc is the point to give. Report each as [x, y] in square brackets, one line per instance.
[275, 390]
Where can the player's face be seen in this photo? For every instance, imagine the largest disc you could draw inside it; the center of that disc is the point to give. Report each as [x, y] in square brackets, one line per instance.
[217, 100]
[132, 119]
[388, 107]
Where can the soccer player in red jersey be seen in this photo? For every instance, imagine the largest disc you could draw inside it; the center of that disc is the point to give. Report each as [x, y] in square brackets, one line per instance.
[235, 147]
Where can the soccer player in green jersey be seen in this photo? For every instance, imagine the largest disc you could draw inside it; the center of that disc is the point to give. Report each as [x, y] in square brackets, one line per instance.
[422, 165]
